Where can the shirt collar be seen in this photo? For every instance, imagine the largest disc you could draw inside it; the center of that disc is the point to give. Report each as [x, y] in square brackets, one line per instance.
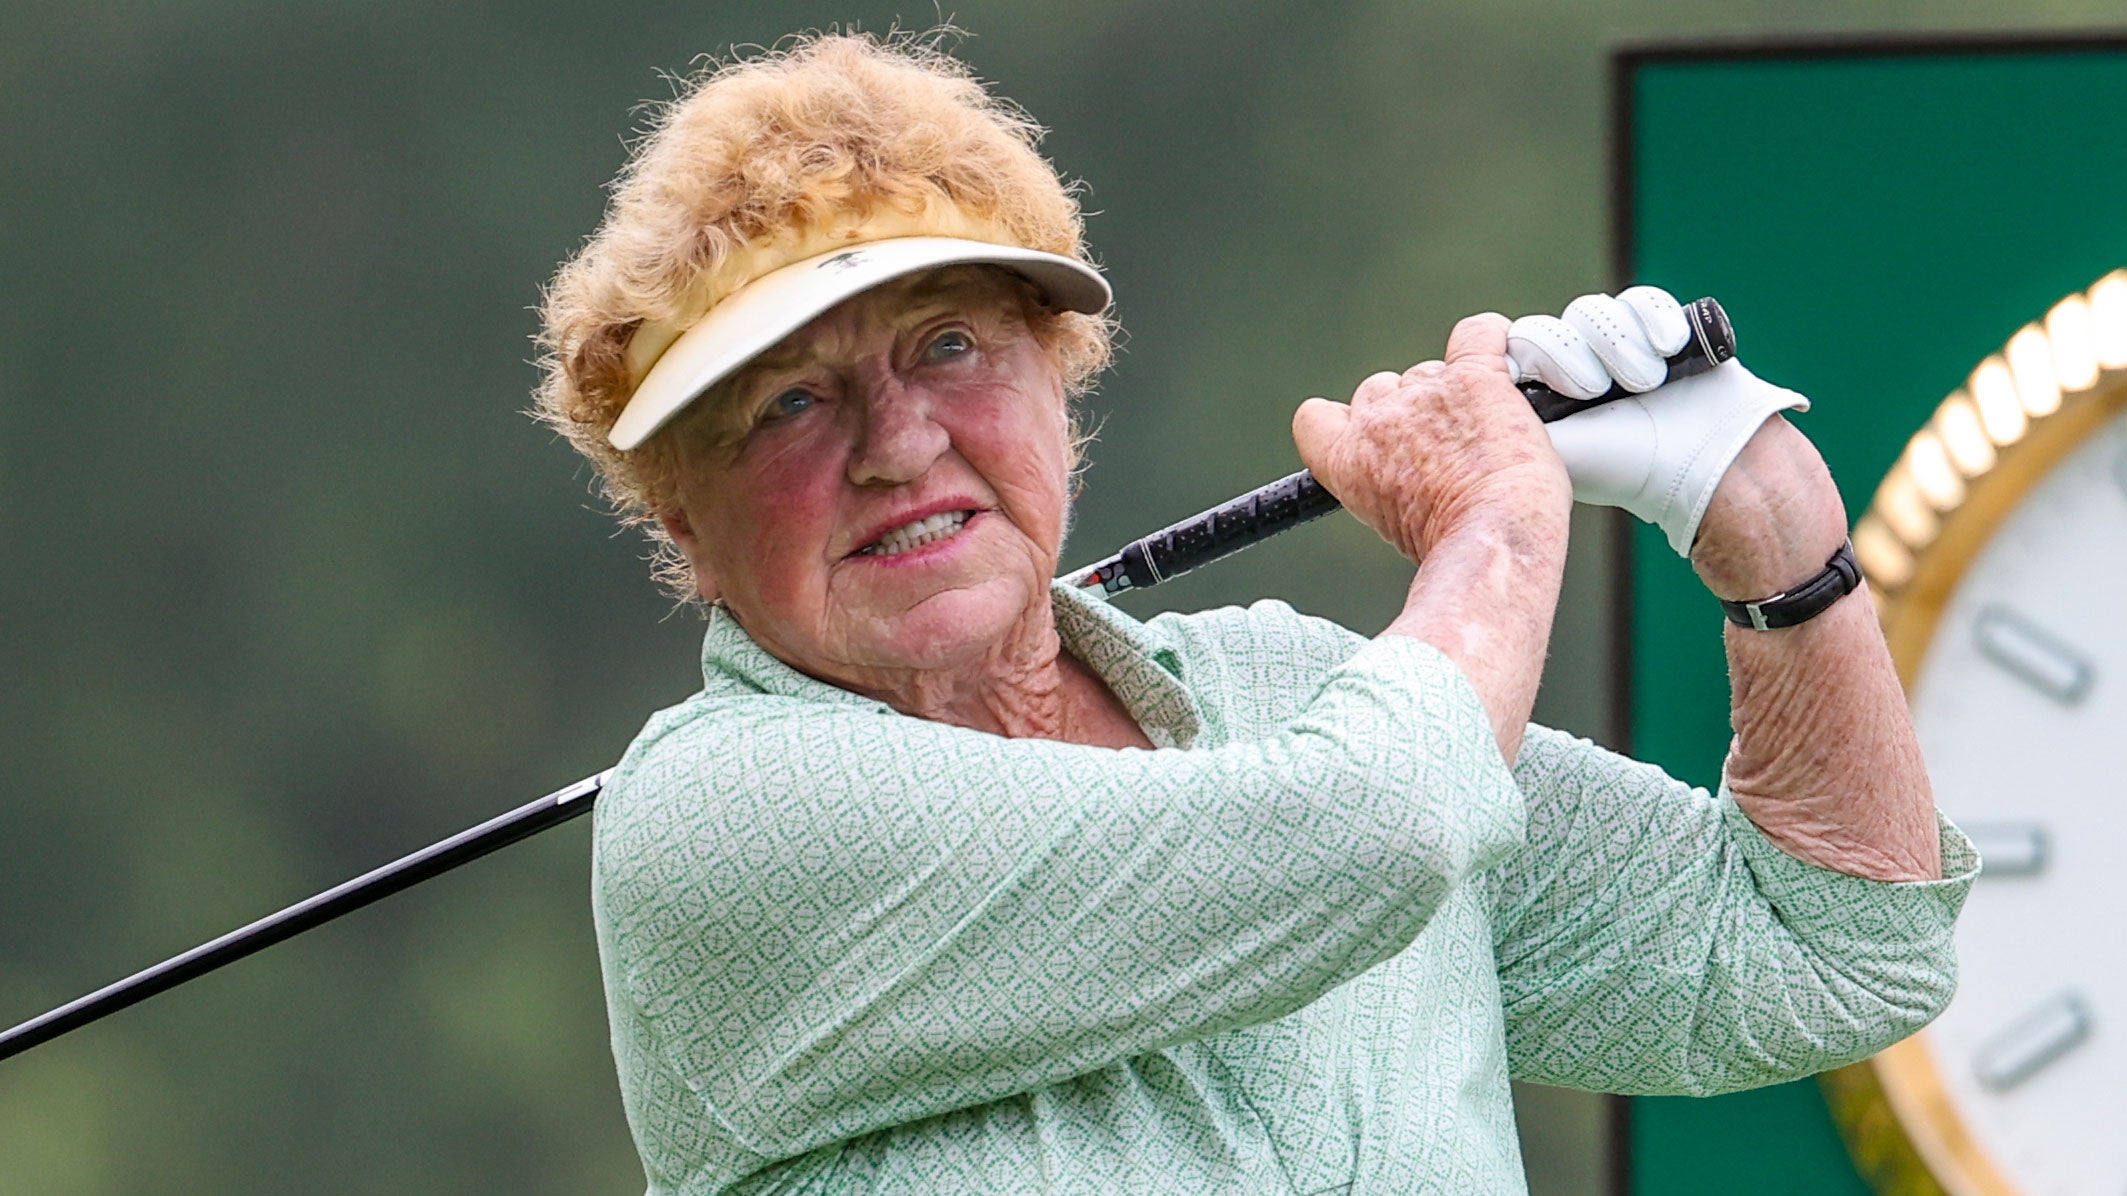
[1136, 660]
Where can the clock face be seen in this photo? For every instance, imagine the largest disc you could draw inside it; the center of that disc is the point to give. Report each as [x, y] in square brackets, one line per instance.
[2021, 708]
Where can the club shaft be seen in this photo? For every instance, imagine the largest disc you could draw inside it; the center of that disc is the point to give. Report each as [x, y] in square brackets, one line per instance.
[437, 858]
[1225, 529]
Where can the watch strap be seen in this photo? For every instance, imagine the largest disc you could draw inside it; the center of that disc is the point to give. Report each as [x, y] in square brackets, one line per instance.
[1841, 576]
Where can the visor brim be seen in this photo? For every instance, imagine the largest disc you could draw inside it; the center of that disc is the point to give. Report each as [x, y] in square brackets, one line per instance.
[771, 307]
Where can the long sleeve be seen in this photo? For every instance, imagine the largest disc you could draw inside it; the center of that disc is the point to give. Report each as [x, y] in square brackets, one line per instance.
[1651, 940]
[820, 918]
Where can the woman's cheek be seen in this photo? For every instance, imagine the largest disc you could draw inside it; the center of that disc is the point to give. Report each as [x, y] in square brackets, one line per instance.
[777, 529]
[1020, 442]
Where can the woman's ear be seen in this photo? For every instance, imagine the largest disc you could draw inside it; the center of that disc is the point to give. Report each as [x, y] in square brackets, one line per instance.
[681, 533]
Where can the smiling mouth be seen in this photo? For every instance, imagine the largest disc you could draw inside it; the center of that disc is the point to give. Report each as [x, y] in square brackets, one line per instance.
[911, 536]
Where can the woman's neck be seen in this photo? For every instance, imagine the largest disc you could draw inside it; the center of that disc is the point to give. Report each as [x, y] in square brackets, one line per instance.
[1023, 687]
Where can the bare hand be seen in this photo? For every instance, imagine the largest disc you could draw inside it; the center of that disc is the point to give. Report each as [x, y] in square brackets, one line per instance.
[1420, 454]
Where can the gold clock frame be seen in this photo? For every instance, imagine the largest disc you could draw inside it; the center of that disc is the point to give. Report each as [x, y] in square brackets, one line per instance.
[2021, 411]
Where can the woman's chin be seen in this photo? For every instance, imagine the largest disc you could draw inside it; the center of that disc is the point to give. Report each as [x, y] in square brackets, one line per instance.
[957, 624]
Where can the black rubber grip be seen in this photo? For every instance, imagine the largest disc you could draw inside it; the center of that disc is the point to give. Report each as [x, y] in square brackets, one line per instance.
[1205, 537]
[1293, 500]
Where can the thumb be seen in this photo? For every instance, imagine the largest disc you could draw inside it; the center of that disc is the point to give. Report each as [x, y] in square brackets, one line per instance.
[1316, 426]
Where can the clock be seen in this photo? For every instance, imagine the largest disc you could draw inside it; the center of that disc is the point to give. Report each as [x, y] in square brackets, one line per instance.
[1996, 549]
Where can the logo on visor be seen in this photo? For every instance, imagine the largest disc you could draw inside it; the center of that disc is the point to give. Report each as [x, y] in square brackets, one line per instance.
[843, 261]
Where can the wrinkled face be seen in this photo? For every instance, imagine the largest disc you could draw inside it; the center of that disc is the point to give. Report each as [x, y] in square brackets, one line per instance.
[885, 489]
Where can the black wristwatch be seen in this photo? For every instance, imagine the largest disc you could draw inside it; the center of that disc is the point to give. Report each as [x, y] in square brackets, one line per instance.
[1841, 576]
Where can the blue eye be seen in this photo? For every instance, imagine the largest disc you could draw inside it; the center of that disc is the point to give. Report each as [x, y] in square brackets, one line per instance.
[947, 345]
[786, 404]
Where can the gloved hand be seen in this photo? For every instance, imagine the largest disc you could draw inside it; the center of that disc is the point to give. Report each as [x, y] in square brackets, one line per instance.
[1658, 455]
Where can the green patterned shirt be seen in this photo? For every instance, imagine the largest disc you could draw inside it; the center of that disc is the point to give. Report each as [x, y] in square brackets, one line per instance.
[1299, 947]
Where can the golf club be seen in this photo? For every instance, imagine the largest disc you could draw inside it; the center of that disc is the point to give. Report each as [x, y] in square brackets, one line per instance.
[1161, 556]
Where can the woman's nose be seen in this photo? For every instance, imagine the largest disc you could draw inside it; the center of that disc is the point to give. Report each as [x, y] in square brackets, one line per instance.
[899, 438]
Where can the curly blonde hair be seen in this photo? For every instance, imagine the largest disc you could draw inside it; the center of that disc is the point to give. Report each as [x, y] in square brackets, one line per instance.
[757, 162]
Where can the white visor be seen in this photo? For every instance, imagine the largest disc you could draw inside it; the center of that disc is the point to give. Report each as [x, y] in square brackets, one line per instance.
[778, 303]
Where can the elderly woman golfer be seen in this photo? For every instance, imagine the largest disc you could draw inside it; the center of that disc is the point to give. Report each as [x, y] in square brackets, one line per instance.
[952, 879]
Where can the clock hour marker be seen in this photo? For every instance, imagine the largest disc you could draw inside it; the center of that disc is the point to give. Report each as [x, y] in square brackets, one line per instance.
[2033, 655]
[2045, 1033]
[2009, 849]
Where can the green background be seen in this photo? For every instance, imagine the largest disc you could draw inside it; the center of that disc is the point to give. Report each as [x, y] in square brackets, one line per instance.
[1875, 225]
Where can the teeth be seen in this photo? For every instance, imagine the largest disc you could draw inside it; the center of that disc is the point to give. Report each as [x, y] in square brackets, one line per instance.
[917, 534]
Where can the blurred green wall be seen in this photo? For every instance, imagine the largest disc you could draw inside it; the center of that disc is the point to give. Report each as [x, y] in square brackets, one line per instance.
[288, 586]
[1875, 224]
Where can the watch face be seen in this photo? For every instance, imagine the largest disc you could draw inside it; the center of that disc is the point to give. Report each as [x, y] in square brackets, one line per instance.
[2021, 708]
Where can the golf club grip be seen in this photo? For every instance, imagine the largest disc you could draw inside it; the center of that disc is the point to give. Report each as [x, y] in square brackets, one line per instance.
[1200, 539]
[1297, 498]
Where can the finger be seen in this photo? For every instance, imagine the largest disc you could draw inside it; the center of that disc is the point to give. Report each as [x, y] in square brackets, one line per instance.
[1372, 387]
[1614, 332]
[1477, 337]
[1316, 426]
[1543, 349]
[1661, 316]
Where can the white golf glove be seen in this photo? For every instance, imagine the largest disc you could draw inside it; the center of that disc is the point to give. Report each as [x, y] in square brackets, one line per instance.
[1659, 455]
